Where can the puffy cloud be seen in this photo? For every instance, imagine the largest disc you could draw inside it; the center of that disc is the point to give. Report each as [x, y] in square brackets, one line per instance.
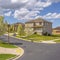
[30, 9]
[8, 13]
[49, 16]
[52, 16]
[20, 13]
[8, 4]
[14, 4]
[1, 12]
[20, 1]
[25, 14]
[36, 5]
[31, 15]
[14, 1]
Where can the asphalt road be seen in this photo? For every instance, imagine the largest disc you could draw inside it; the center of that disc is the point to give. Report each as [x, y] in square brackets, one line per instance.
[36, 51]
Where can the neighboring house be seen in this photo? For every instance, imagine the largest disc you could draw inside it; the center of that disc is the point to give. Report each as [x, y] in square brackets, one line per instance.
[16, 26]
[56, 30]
[39, 26]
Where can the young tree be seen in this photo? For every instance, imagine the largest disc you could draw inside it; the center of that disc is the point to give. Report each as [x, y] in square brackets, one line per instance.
[2, 26]
[20, 30]
[6, 25]
[11, 28]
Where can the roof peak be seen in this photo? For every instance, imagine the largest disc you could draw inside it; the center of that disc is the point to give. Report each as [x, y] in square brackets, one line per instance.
[38, 20]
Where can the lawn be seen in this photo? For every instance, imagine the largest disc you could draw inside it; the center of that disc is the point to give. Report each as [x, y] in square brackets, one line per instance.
[39, 38]
[6, 56]
[58, 41]
[6, 45]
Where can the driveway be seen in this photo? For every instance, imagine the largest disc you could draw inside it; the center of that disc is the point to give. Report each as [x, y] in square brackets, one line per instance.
[36, 51]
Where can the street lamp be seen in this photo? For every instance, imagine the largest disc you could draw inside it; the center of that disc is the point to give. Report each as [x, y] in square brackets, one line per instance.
[8, 32]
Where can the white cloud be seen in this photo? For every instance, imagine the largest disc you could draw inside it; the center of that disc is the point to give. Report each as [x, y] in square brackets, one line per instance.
[25, 14]
[24, 1]
[1, 11]
[19, 1]
[51, 16]
[30, 9]
[14, 1]
[21, 13]
[29, 4]
[31, 15]
[8, 13]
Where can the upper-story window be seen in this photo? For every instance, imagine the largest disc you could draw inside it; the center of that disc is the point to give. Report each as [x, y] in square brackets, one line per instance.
[29, 25]
[39, 23]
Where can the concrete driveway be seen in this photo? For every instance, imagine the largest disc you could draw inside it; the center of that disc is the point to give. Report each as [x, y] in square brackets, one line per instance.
[36, 51]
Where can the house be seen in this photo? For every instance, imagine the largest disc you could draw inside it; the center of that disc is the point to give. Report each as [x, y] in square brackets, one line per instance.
[39, 26]
[56, 30]
[16, 26]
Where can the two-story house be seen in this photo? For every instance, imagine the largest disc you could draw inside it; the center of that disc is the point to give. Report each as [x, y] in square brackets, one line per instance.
[39, 26]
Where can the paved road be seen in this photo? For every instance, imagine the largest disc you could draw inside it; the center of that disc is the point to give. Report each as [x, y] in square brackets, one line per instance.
[36, 51]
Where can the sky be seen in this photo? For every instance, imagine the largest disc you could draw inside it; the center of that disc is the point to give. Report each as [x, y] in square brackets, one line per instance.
[25, 10]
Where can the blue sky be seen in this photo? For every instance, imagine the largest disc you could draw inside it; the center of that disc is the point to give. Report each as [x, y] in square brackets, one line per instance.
[24, 10]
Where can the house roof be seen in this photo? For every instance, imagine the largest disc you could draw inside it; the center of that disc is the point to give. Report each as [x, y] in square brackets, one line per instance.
[19, 23]
[35, 27]
[38, 20]
[57, 28]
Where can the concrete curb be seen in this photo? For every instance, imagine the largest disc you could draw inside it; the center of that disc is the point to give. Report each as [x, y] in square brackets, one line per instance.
[16, 57]
[35, 41]
[19, 38]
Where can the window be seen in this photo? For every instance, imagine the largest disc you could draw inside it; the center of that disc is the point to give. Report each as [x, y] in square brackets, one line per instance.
[37, 24]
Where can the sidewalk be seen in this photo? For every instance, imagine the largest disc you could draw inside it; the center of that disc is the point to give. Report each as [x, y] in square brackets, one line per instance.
[48, 42]
[16, 51]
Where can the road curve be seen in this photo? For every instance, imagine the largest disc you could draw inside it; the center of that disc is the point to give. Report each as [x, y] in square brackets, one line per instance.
[35, 51]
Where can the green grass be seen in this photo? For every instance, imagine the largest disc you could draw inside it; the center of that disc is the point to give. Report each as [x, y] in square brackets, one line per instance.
[58, 41]
[39, 38]
[6, 56]
[6, 45]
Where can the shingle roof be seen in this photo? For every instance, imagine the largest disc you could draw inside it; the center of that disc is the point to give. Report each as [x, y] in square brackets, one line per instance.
[38, 20]
[57, 28]
[18, 23]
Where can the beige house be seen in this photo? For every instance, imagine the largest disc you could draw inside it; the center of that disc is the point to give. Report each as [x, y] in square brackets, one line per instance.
[56, 30]
[39, 26]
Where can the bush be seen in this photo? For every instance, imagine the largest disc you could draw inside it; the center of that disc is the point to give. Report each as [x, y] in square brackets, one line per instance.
[35, 32]
[49, 34]
[46, 34]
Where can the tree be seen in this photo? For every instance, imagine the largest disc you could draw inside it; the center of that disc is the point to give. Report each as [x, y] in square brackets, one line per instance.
[6, 25]
[2, 26]
[20, 30]
[11, 28]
